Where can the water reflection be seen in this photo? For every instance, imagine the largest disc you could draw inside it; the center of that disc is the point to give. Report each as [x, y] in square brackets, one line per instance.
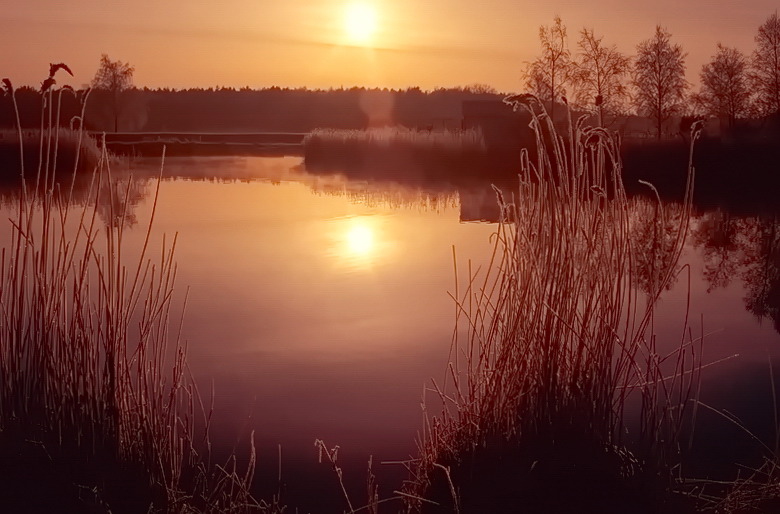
[655, 232]
[362, 242]
[116, 200]
[716, 234]
[745, 249]
[361, 239]
[115, 196]
[318, 305]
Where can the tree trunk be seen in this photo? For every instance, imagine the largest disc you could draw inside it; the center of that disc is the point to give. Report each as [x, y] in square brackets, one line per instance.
[116, 112]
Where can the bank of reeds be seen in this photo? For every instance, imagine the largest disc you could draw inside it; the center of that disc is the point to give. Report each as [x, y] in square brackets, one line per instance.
[51, 147]
[554, 351]
[395, 151]
[98, 412]
[68, 143]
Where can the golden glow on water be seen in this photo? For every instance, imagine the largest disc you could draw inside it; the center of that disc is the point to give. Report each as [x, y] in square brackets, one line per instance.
[360, 242]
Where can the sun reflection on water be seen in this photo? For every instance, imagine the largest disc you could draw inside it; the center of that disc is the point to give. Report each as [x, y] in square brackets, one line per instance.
[359, 242]
[360, 239]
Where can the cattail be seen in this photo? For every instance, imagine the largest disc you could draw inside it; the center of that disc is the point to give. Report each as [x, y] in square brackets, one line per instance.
[8, 87]
[46, 84]
[59, 66]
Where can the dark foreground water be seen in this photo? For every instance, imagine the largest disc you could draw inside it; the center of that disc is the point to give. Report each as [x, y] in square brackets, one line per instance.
[318, 308]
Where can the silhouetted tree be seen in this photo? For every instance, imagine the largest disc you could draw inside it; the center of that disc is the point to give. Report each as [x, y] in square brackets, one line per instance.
[724, 89]
[765, 72]
[113, 78]
[599, 75]
[546, 76]
[480, 89]
[659, 76]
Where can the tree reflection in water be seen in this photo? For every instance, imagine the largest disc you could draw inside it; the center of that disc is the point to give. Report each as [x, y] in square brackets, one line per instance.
[747, 249]
[716, 234]
[116, 199]
[655, 230]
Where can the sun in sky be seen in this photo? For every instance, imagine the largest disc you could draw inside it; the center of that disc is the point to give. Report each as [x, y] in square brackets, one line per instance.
[360, 23]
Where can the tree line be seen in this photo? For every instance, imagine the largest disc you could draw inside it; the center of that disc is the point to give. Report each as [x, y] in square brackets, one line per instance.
[596, 78]
[609, 84]
[113, 104]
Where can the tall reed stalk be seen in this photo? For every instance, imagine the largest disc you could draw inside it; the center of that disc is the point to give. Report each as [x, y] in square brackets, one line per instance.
[556, 336]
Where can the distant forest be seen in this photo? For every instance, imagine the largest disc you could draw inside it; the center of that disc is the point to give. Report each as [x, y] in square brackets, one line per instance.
[248, 110]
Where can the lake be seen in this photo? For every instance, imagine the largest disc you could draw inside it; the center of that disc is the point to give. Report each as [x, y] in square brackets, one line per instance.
[318, 307]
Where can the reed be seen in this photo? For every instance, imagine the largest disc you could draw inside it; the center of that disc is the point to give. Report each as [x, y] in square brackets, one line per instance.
[69, 142]
[395, 151]
[93, 376]
[757, 491]
[554, 346]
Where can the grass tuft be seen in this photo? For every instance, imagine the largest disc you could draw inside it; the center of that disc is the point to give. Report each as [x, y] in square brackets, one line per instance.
[554, 346]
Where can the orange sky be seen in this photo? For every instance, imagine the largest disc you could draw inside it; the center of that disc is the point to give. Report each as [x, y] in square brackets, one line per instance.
[293, 43]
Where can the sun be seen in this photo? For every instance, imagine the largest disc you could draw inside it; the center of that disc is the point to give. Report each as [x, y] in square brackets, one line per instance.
[360, 21]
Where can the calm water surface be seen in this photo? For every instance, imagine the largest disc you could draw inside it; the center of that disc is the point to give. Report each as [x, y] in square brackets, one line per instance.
[318, 307]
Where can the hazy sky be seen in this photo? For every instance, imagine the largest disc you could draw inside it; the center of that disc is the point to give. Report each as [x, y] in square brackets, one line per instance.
[291, 43]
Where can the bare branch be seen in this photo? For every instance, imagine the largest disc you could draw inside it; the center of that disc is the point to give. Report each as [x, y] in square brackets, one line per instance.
[113, 77]
[765, 72]
[547, 75]
[724, 88]
[659, 77]
[599, 76]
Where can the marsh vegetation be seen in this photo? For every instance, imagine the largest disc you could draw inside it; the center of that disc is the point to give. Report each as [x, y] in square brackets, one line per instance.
[396, 151]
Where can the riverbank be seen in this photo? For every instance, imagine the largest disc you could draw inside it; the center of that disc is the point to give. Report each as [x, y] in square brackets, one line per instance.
[735, 174]
[731, 174]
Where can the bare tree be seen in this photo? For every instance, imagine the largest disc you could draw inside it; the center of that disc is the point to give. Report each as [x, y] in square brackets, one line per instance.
[480, 89]
[659, 77]
[113, 77]
[546, 76]
[599, 75]
[724, 89]
[765, 73]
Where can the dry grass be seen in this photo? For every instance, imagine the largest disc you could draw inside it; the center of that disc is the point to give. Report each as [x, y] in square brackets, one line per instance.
[386, 136]
[553, 341]
[51, 147]
[93, 377]
[395, 151]
[759, 492]
[69, 143]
